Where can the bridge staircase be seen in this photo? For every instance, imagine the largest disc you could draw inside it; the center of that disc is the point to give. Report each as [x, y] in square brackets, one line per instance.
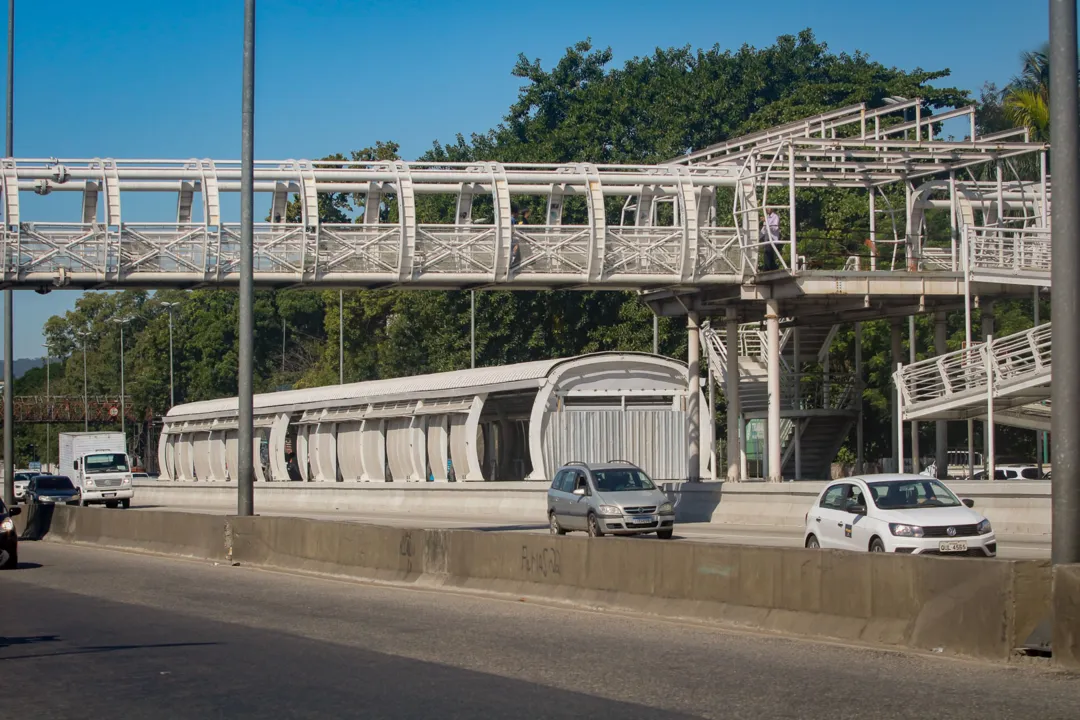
[817, 407]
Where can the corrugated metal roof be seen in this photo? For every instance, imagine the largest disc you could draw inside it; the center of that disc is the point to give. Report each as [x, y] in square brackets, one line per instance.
[472, 380]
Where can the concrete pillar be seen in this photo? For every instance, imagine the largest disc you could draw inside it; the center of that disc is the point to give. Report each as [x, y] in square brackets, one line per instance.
[941, 430]
[897, 357]
[734, 411]
[693, 387]
[772, 321]
[987, 310]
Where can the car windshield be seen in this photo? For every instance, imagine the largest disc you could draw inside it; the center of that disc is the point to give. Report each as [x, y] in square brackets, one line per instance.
[54, 483]
[622, 480]
[111, 462]
[909, 494]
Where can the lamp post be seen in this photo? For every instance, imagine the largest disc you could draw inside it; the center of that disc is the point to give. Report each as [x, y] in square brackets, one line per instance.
[123, 405]
[341, 336]
[48, 404]
[86, 402]
[169, 306]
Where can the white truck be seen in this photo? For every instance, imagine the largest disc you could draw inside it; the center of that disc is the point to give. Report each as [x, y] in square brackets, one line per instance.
[97, 464]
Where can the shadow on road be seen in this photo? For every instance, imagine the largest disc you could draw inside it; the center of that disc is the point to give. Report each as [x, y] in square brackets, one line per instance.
[506, 528]
[28, 566]
[28, 640]
[88, 650]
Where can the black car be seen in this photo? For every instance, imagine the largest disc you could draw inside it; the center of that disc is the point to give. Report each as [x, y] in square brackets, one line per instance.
[51, 489]
[9, 539]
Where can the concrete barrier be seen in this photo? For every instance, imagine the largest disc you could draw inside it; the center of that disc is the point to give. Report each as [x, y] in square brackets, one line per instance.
[1066, 642]
[964, 606]
[1016, 509]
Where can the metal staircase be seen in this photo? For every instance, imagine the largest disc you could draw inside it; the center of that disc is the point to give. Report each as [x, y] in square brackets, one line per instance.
[817, 406]
[1012, 373]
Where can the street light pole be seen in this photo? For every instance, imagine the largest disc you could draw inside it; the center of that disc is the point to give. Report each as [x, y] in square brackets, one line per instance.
[1065, 269]
[341, 336]
[85, 398]
[9, 355]
[172, 396]
[245, 487]
[123, 404]
[48, 405]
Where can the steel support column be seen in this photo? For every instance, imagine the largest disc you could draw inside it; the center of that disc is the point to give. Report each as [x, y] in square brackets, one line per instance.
[797, 367]
[913, 342]
[693, 390]
[941, 428]
[859, 382]
[987, 309]
[731, 391]
[895, 342]
[772, 321]
[246, 428]
[9, 361]
[1065, 299]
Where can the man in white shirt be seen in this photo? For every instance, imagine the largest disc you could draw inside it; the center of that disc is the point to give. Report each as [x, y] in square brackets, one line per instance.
[770, 233]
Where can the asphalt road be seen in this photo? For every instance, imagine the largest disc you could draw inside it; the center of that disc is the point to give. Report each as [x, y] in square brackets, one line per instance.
[92, 633]
[1008, 548]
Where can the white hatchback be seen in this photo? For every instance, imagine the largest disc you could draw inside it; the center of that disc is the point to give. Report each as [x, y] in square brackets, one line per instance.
[899, 513]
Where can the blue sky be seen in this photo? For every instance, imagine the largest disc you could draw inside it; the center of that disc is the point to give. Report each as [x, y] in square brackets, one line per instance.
[131, 78]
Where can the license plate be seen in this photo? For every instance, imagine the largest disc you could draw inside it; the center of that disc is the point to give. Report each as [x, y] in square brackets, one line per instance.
[641, 520]
[108, 494]
[952, 546]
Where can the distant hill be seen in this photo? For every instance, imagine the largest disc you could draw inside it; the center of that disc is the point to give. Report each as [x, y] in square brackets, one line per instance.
[21, 366]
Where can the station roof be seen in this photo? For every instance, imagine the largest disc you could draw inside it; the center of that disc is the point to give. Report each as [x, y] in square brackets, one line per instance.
[499, 378]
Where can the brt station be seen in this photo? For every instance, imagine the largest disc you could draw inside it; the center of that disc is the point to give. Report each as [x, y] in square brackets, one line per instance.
[716, 236]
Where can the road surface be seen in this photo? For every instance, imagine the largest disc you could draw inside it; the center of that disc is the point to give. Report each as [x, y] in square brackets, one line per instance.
[1010, 548]
[94, 633]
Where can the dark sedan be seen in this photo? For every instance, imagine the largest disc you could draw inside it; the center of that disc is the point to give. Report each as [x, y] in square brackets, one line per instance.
[9, 539]
[50, 490]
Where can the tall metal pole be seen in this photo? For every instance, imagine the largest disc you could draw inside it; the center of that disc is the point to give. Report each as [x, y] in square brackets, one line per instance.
[283, 345]
[472, 328]
[123, 404]
[9, 361]
[655, 334]
[85, 397]
[246, 432]
[48, 405]
[172, 392]
[341, 336]
[1065, 270]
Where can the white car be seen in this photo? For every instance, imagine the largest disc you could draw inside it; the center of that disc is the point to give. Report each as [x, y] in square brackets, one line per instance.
[899, 513]
[22, 479]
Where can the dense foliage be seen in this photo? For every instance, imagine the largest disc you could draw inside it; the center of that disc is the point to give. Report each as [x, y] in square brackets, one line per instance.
[582, 109]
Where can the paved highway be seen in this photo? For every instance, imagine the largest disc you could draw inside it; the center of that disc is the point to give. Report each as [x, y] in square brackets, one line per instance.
[1011, 548]
[92, 633]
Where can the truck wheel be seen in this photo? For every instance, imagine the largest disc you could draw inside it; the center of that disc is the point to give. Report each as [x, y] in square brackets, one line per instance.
[125, 503]
[84, 503]
[664, 534]
[111, 504]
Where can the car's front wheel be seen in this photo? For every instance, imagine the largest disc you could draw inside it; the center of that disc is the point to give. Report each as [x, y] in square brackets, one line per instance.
[812, 543]
[876, 545]
[110, 503]
[553, 524]
[664, 534]
[594, 527]
[9, 559]
[125, 503]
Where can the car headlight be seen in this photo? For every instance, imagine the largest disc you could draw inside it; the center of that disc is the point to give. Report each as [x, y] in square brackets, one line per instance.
[7, 525]
[901, 530]
[609, 510]
[89, 482]
[983, 528]
[126, 480]
[666, 508]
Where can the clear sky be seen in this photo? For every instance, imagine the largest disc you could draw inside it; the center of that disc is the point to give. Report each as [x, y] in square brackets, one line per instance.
[161, 78]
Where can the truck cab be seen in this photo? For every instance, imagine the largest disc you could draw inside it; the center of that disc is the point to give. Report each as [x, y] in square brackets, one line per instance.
[104, 478]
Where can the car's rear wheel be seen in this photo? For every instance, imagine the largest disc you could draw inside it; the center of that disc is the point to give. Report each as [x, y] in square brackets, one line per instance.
[594, 527]
[812, 543]
[664, 534]
[553, 524]
[876, 545]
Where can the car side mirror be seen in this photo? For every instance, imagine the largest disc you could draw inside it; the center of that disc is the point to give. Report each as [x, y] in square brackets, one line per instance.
[579, 491]
[856, 509]
[13, 511]
[76, 465]
[968, 502]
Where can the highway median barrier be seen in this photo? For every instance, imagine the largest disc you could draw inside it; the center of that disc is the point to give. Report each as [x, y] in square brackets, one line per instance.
[962, 606]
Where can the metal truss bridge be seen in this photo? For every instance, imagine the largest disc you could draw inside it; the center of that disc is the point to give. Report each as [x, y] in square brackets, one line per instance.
[691, 223]
[72, 409]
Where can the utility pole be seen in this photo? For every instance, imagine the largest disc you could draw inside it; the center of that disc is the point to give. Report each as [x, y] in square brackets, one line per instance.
[48, 404]
[245, 487]
[172, 396]
[282, 346]
[85, 398]
[1065, 270]
[9, 361]
[472, 328]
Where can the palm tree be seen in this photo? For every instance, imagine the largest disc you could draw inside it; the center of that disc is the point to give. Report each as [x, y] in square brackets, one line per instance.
[1027, 96]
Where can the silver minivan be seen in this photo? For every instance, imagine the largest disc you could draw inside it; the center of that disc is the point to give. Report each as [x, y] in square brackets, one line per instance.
[615, 498]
